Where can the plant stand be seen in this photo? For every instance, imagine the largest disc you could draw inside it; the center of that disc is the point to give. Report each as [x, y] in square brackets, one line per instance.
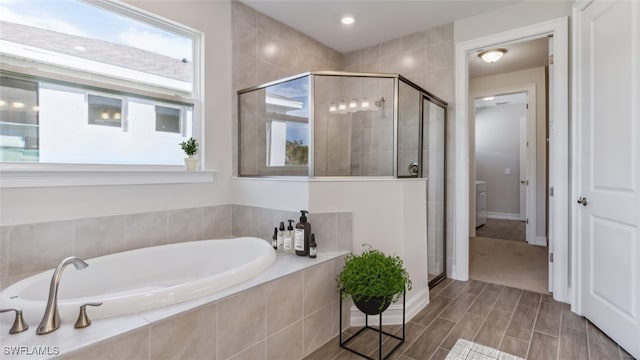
[343, 344]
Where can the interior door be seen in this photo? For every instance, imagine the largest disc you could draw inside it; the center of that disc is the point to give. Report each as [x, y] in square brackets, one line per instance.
[609, 184]
[524, 165]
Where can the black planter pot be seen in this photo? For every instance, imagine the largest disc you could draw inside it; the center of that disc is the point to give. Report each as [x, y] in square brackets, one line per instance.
[373, 306]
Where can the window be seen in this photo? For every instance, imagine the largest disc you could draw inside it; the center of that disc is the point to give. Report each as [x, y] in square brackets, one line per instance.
[104, 111]
[95, 83]
[168, 119]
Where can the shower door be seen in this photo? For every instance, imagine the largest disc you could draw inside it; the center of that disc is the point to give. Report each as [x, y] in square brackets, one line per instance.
[433, 169]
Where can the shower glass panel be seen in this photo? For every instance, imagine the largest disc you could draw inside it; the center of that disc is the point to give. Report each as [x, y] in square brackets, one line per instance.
[353, 126]
[408, 130]
[273, 129]
[433, 168]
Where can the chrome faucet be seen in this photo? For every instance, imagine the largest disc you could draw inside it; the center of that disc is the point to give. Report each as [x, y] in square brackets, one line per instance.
[51, 319]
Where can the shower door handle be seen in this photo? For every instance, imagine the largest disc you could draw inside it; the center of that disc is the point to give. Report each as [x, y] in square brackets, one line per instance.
[413, 168]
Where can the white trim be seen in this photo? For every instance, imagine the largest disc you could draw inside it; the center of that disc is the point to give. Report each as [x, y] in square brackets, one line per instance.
[393, 314]
[539, 241]
[559, 137]
[92, 175]
[503, 216]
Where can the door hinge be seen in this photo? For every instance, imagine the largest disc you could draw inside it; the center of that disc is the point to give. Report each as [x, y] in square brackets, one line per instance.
[551, 191]
[527, 106]
[527, 221]
[550, 59]
[550, 257]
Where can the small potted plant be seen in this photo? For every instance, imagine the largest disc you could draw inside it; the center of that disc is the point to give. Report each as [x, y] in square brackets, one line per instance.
[373, 280]
[190, 148]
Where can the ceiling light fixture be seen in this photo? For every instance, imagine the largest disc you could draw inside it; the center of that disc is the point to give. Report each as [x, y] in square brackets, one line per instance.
[488, 98]
[348, 20]
[492, 55]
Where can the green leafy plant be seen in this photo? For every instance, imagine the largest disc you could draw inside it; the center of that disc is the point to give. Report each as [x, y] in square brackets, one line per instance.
[190, 147]
[373, 274]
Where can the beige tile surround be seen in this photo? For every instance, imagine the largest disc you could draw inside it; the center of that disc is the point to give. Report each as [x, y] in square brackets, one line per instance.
[285, 318]
[282, 319]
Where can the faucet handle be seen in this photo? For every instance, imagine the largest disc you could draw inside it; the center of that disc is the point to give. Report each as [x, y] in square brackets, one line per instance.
[83, 320]
[19, 325]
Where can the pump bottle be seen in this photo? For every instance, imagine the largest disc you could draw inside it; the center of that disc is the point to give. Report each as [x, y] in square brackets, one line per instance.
[281, 236]
[301, 235]
[288, 238]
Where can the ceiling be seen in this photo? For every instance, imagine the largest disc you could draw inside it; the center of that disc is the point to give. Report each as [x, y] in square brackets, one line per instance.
[376, 21]
[519, 56]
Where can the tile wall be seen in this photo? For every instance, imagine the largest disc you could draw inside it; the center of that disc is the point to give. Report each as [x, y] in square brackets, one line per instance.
[425, 58]
[32, 248]
[265, 50]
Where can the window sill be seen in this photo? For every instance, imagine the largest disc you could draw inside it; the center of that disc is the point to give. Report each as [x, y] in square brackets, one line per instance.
[55, 175]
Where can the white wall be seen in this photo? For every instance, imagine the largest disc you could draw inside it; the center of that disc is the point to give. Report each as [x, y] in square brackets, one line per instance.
[498, 148]
[524, 13]
[535, 76]
[213, 18]
[388, 214]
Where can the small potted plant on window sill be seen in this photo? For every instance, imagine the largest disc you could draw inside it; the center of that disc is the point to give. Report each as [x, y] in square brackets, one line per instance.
[373, 280]
[190, 148]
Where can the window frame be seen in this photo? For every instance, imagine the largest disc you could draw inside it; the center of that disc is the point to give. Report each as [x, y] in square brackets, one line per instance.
[16, 175]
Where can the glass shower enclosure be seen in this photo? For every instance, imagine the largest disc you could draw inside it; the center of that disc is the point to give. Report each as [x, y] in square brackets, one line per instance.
[342, 124]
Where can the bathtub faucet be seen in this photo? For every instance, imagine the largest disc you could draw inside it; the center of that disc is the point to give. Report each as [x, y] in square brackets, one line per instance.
[51, 319]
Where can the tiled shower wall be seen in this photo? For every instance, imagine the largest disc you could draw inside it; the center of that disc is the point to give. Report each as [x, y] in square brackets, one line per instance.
[265, 50]
[425, 58]
[287, 318]
[32, 248]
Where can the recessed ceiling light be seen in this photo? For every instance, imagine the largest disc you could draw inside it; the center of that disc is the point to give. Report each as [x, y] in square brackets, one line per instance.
[348, 20]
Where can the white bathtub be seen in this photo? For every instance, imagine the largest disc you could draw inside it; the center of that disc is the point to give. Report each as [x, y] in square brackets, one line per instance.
[144, 279]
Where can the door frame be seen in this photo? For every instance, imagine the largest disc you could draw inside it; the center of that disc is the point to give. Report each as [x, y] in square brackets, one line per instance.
[558, 136]
[531, 138]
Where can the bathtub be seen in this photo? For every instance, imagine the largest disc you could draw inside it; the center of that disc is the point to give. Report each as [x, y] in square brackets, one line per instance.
[144, 279]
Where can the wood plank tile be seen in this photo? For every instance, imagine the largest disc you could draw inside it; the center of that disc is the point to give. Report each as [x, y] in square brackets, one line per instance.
[430, 339]
[508, 299]
[530, 298]
[347, 355]
[466, 329]
[327, 351]
[494, 287]
[440, 354]
[474, 287]
[482, 305]
[412, 332]
[543, 347]
[522, 322]
[493, 329]
[458, 307]
[547, 298]
[438, 288]
[431, 311]
[454, 288]
[573, 344]
[571, 320]
[548, 320]
[514, 346]
[600, 345]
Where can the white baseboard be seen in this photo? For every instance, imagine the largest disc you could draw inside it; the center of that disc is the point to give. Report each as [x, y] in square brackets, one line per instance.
[539, 241]
[393, 314]
[502, 216]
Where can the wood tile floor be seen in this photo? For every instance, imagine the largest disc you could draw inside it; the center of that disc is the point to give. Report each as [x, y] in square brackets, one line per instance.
[519, 322]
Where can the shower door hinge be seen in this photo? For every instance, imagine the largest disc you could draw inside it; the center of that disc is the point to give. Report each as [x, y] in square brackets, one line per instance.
[527, 221]
[550, 59]
[550, 257]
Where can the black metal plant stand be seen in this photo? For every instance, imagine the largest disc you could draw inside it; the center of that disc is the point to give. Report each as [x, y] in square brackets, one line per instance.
[379, 331]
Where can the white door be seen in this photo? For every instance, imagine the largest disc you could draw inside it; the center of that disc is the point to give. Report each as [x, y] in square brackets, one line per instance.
[609, 181]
